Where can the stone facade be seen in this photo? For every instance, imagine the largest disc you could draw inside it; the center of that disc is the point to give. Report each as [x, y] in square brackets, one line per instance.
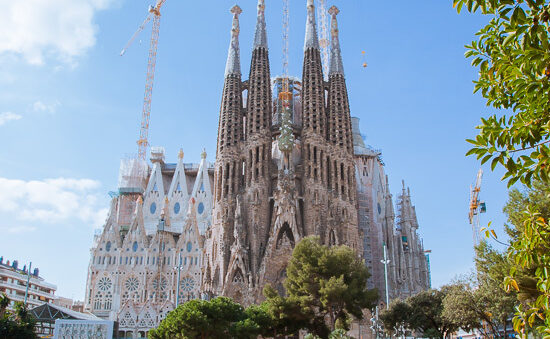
[282, 174]
[290, 162]
[277, 183]
[132, 275]
[408, 267]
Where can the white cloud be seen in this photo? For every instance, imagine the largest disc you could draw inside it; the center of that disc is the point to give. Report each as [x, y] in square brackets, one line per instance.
[39, 106]
[8, 116]
[18, 229]
[53, 200]
[34, 29]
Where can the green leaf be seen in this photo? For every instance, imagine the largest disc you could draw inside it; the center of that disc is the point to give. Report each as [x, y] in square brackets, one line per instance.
[486, 158]
[494, 163]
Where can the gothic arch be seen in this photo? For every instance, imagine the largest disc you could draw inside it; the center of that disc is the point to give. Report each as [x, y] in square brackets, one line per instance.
[285, 234]
[332, 238]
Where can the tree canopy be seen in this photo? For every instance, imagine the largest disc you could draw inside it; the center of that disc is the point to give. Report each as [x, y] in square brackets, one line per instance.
[216, 318]
[328, 282]
[322, 283]
[511, 53]
[15, 324]
[422, 313]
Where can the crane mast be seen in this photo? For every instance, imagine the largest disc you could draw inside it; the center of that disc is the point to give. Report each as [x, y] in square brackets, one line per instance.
[154, 14]
[286, 30]
[476, 207]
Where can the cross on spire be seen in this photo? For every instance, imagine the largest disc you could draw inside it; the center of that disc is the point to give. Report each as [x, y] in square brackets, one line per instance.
[233, 66]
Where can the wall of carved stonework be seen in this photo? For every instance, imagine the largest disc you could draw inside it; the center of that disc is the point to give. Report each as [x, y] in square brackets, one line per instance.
[83, 329]
[133, 271]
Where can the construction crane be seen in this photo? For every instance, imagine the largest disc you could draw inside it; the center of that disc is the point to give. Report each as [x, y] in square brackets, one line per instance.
[154, 13]
[476, 207]
[323, 35]
[286, 31]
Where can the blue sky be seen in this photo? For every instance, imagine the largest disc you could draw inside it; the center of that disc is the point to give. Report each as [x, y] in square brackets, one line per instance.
[70, 108]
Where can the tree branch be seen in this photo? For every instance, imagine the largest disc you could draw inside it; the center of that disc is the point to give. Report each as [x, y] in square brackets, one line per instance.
[530, 147]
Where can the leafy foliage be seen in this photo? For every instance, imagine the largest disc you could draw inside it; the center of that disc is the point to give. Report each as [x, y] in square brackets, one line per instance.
[427, 313]
[514, 70]
[328, 283]
[322, 283]
[512, 54]
[16, 324]
[481, 301]
[396, 315]
[336, 334]
[217, 318]
[471, 307]
[422, 312]
[532, 250]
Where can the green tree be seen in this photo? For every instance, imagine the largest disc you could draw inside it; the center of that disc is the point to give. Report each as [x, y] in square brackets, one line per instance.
[15, 324]
[492, 269]
[528, 213]
[511, 53]
[286, 315]
[461, 307]
[480, 301]
[336, 334]
[396, 315]
[216, 318]
[427, 314]
[328, 282]
[422, 312]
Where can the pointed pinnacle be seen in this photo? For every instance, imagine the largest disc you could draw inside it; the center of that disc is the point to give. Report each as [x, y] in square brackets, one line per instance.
[336, 65]
[312, 40]
[233, 65]
[260, 36]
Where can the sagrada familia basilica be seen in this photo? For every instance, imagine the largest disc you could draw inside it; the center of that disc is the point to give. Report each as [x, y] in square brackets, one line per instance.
[290, 163]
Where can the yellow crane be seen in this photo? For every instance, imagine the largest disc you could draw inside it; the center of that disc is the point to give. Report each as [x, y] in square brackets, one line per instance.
[476, 207]
[154, 13]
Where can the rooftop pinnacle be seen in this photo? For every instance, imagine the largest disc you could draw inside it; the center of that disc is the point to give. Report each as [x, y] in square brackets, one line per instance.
[260, 36]
[336, 65]
[233, 66]
[312, 40]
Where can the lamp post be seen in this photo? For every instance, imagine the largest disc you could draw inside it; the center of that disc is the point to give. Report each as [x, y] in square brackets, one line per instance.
[179, 268]
[386, 262]
[28, 281]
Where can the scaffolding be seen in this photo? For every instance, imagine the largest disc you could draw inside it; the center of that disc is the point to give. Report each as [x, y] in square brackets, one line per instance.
[132, 175]
[295, 87]
[132, 181]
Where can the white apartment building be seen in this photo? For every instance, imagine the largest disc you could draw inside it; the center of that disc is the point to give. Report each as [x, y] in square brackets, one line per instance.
[13, 282]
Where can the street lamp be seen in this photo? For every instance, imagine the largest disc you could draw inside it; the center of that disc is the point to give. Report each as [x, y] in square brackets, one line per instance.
[386, 262]
[179, 268]
[28, 282]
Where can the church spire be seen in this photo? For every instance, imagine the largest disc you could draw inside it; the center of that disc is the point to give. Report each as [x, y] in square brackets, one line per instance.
[336, 66]
[339, 119]
[230, 130]
[312, 40]
[233, 65]
[260, 36]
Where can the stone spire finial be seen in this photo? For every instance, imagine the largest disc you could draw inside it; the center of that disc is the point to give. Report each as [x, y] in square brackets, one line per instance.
[312, 40]
[260, 36]
[180, 154]
[336, 65]
[203, 153]
[233, 66]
